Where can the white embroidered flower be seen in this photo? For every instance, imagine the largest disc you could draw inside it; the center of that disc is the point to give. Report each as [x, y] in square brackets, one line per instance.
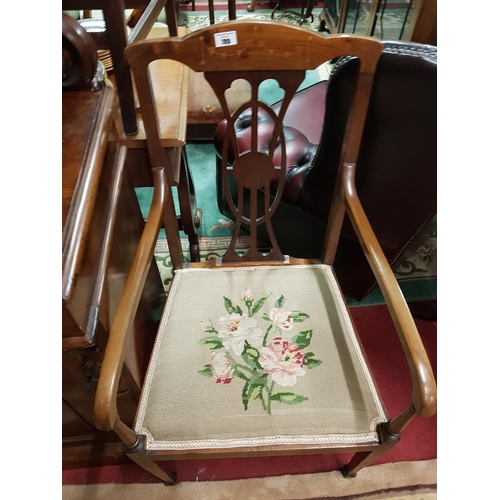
[283, 360]
[281, 318]
[204, 324]
[221, 368]
[235, 329]
[246, 295]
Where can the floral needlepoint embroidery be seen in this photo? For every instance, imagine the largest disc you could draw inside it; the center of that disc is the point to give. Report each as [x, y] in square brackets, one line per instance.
[221, 367]
[262, 357]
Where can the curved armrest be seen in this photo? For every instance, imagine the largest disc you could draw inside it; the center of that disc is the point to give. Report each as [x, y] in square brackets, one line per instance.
[424, 396]
[105, 409]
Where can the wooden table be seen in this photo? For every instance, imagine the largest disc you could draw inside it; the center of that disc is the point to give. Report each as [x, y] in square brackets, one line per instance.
[102, 224]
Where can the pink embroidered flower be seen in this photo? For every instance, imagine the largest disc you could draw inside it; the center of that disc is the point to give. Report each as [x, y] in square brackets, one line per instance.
[281, 318]
[283, 360]
[236, 329]
[221, 368]
[246, 295]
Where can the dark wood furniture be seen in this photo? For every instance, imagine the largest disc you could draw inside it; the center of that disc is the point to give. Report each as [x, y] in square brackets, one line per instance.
[173, 79]
[116, 39]
[183, 412]
[102, 223]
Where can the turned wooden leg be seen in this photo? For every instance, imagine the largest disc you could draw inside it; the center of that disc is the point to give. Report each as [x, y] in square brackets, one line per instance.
[251, 6]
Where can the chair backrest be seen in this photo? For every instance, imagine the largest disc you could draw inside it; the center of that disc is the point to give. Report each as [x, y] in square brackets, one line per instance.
[257, 51]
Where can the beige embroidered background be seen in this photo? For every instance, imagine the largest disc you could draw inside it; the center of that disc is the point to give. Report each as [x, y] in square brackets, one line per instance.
[186, 406]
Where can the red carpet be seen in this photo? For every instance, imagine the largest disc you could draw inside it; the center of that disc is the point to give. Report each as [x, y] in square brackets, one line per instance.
[392, 375]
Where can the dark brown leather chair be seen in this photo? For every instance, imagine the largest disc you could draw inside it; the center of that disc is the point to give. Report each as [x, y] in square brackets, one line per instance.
[397, 161]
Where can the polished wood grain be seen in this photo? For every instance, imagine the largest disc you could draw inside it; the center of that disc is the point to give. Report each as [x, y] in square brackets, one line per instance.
[102, 224]
[264, 50]
[170, 81]
[82, 167]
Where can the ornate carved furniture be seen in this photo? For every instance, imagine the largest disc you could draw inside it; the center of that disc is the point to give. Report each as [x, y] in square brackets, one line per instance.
[256, 353]
[397, 161]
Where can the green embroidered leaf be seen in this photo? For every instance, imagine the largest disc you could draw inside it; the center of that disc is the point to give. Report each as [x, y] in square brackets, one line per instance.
[238, 373]
[258, 304]
[310, 361]
[303, 338]
[298, 316]
[253, 390]
[232, 308]
[211, 342]
[206, 371]
[251, 356]
[288, 397]
[279, 303]
[266, 317]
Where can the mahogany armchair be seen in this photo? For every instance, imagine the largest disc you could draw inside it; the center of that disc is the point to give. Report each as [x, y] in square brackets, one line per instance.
[256, 353]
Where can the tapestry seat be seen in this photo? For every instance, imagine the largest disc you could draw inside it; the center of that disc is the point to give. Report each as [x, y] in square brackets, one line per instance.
[300, 374]
[256, 353]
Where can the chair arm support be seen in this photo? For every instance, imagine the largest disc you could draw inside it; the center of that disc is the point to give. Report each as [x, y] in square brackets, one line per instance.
[424, 397]
[105, 408]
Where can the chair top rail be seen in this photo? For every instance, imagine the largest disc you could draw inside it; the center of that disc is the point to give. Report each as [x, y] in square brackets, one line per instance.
[255, 45]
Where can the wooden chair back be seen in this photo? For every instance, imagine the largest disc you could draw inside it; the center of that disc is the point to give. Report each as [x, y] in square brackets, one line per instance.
[256, 51]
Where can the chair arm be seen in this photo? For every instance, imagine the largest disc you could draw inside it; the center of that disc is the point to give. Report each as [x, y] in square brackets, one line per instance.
[424, 397]
[105, 408]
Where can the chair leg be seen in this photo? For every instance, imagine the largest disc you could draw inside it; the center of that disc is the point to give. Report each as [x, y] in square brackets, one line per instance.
[363, 459]
[134, 452]
[147, 464]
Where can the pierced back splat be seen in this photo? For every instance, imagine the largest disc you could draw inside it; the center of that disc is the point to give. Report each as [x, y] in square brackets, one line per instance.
[254, 169]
